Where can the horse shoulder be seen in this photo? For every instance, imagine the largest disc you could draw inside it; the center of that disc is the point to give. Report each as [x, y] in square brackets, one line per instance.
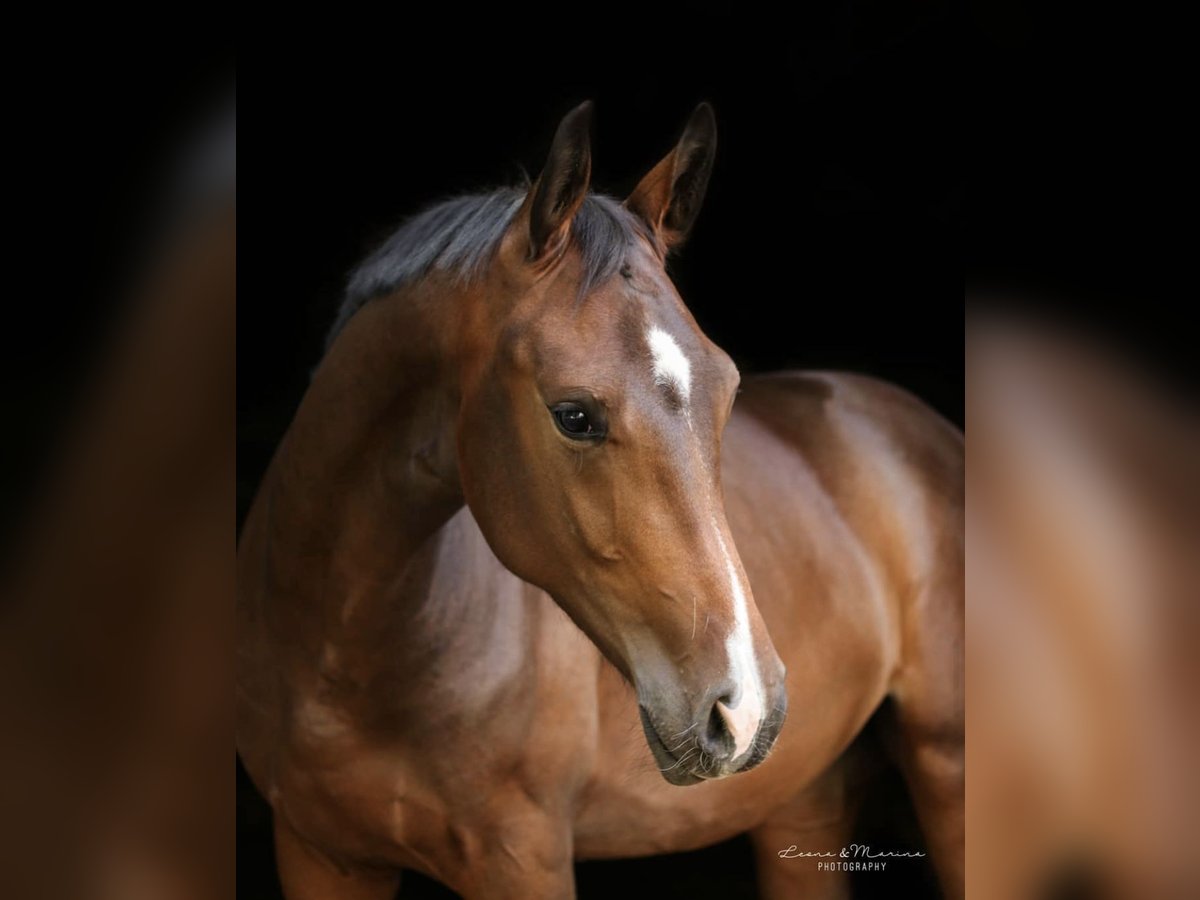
[881, 476]
[891, 466]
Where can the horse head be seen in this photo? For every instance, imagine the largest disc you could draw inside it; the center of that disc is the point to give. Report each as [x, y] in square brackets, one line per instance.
[589, 445]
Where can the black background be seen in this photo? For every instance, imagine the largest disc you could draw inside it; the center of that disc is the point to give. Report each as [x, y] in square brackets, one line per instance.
[1078, 136]
[830, 236]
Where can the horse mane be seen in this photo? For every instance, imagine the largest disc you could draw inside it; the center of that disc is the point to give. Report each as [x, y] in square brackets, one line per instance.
[460, 235]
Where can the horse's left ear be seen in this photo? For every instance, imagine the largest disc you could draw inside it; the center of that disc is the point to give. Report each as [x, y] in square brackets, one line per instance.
[558, 192]
[669, 197]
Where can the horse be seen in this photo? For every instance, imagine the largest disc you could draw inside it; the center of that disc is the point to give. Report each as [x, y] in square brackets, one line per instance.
[535, 575]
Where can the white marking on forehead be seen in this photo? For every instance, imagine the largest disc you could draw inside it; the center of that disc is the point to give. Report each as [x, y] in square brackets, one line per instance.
[671, 367]
[744, 718]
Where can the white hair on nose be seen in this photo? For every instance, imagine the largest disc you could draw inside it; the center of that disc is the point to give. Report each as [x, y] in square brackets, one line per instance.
[742, 720]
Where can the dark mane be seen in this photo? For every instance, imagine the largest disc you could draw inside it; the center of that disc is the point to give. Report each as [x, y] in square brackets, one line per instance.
[460, 236]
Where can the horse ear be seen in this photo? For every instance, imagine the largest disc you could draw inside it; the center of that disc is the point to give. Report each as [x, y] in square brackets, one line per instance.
[558, 192]
[669, 197]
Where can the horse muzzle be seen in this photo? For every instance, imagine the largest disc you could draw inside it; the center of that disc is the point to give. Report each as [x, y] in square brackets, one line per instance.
[715, 744]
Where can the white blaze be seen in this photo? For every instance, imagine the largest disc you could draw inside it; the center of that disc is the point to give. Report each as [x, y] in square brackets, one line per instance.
[743, 719]
[671, 367]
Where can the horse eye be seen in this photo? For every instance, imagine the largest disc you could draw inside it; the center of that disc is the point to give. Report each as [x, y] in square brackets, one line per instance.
[573, 421]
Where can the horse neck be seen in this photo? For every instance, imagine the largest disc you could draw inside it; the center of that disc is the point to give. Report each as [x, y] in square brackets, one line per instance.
[367, 472]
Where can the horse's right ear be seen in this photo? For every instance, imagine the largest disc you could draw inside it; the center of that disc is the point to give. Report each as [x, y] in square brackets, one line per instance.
[669, 197]
[558, 192]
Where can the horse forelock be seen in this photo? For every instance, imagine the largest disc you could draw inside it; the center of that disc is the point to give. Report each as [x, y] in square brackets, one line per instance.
[461, 235]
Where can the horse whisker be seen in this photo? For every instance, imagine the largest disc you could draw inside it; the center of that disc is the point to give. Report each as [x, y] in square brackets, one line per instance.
[685, 731]
[679, 746]
[679, 761]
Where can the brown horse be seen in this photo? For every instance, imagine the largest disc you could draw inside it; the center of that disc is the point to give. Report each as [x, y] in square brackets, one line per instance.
[518, 515]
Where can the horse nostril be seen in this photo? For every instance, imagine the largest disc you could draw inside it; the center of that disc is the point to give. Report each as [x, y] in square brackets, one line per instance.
[716, 726]
[716, 739]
